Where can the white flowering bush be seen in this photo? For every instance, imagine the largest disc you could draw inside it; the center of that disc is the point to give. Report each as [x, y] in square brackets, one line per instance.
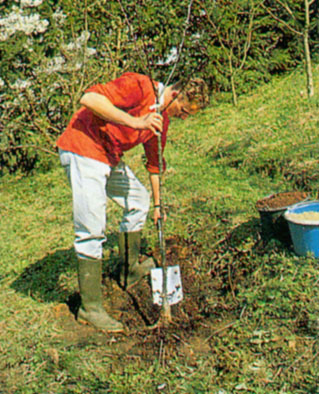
[51, 52]
[17, 21]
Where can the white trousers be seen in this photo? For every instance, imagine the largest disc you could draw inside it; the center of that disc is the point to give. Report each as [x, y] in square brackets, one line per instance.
[92, 182]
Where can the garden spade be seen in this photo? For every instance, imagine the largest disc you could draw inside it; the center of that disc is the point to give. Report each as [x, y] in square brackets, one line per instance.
[166, 281]
[174, 291]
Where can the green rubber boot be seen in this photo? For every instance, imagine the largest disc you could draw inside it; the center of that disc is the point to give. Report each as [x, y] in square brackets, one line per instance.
[91, 309]
[132, 271]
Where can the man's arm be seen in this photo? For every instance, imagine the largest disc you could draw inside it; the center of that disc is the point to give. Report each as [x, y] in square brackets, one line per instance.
[154, 178]
[102, 107]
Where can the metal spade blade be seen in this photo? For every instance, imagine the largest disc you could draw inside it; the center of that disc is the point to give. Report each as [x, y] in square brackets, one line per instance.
[174, 290]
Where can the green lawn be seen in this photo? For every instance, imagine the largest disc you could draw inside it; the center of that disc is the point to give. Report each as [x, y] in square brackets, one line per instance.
[250, 316]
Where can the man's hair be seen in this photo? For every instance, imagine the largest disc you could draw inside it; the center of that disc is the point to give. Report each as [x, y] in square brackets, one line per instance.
[195, 91]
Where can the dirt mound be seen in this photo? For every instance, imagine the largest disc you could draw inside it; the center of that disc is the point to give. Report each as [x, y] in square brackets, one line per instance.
[135, 309]
[280, 200]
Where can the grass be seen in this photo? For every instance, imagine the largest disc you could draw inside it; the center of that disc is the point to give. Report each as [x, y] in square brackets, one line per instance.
[257, 328]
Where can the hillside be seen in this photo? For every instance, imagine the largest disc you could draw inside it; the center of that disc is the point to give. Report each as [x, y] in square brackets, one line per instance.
[249, 319]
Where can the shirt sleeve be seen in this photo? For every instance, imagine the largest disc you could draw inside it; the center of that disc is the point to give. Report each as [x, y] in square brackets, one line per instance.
[124, 92]
[151, 149]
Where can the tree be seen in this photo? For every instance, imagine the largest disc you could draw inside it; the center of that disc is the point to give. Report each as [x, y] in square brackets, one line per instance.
[295, 16]
[232, 25]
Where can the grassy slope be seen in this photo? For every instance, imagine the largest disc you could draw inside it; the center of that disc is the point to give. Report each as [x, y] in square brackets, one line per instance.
[219, 164]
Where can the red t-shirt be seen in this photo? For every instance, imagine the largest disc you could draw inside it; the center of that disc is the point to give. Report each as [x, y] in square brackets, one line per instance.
[90, 136]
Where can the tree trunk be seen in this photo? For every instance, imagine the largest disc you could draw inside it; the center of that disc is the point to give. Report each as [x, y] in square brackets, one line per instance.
[232, 79]
[310, 87]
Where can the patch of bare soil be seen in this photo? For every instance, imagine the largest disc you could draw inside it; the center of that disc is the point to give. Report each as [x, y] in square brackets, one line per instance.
[280, 200]
[135, 309]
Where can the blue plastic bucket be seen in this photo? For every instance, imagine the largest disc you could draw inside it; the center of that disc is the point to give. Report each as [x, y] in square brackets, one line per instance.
[304, 232]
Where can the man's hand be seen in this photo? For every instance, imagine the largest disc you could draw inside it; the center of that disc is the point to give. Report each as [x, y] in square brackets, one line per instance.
[151, 121]
[157, 215]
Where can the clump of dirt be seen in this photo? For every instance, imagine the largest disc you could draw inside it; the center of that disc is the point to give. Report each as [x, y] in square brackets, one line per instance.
[281, 200]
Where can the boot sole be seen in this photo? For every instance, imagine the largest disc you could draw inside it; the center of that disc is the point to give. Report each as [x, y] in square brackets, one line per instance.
[88, 323]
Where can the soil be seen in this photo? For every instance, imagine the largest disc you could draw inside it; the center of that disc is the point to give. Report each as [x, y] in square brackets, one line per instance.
[280, 200]
[193, 317]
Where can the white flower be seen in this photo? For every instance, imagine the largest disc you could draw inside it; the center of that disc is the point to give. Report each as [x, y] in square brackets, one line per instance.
[70, 47]
[85, 35]
[78, 66]
[171, 58]
[79, 43]
[17, 21]
[42, 26]
[28, 44]
[29, 3]
[19, 84]
[90, 51]
[1, 83]
[54, 65]
[4, 36]
[59, 16]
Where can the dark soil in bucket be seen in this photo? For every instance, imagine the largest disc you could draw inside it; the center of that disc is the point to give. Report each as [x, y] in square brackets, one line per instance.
[272, 209]
[280, 200]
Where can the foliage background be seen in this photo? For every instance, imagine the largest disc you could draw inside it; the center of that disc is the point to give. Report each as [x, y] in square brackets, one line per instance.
[51, 51]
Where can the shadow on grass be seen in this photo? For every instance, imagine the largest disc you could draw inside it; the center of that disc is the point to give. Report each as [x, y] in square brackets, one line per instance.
[242, 245]
[54, 278]
[41, 280]
[260, 233]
